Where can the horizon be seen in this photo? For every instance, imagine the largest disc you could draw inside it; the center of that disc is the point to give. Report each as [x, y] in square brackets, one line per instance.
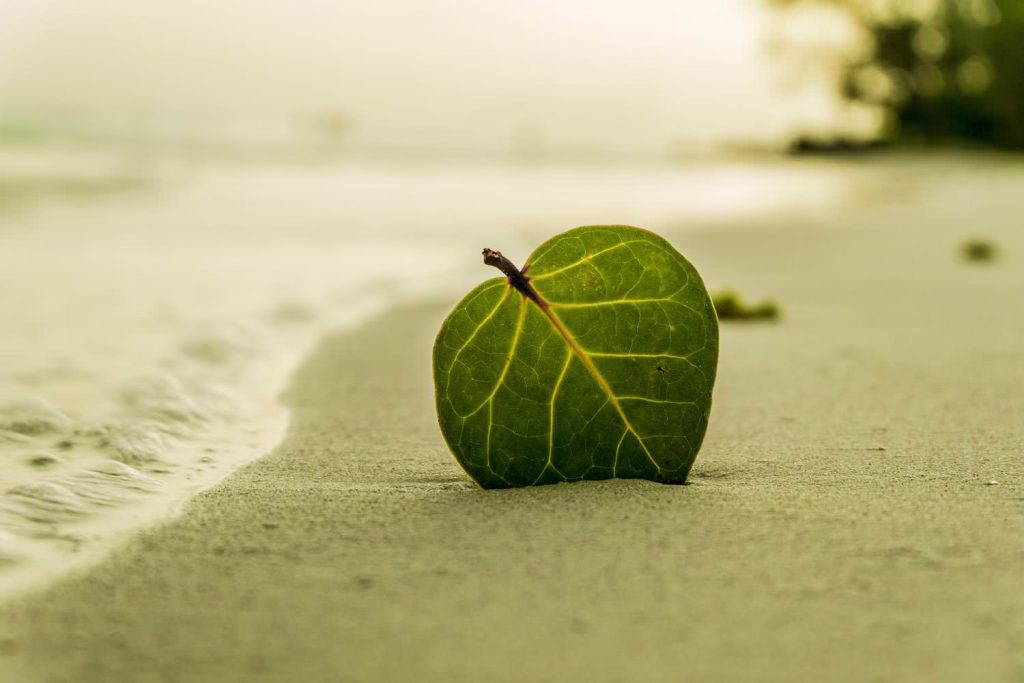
[487, 78]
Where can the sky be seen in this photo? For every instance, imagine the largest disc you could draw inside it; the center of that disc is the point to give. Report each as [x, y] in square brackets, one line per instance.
[574, 74]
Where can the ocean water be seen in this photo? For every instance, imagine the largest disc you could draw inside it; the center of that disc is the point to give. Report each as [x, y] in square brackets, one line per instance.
[153, 309]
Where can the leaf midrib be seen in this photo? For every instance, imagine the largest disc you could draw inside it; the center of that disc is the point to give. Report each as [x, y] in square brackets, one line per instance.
[588, 363]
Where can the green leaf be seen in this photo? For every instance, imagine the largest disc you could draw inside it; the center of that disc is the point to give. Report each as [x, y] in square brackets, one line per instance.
[596, 361]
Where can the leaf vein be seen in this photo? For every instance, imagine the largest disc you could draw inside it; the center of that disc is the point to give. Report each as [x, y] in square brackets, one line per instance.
[551, 417]
[501, 380]
[469, 340]
[585, 259]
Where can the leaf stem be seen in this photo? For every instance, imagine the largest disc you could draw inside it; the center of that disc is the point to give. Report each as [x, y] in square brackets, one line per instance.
[516, 277]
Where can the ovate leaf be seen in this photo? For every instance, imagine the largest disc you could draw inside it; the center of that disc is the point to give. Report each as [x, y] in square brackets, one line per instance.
[596, 361]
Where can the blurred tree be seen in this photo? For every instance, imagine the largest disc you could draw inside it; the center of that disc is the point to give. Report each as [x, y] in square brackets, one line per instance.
[945, 70]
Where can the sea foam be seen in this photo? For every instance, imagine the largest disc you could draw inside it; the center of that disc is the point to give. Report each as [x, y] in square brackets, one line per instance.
[113, 426]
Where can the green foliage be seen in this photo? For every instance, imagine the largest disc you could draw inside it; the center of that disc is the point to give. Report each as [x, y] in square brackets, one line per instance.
[946, 70]
[600, 366]
[731, 306]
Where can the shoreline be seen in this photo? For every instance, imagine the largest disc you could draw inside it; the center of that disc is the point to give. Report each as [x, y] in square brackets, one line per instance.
[839, 523]
[147, 346]
[78, 514]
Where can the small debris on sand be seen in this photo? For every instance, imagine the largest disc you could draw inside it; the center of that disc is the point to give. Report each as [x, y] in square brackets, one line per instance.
[730, 306]
[978, 250]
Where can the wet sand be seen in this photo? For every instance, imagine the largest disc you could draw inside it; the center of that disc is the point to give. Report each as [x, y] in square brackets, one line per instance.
[856, 514]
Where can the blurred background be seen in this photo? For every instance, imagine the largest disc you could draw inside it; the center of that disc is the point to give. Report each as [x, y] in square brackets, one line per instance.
[599, 80]
[192, 192]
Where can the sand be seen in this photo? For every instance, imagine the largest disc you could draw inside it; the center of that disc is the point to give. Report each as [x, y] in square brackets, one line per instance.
[148, 331]
[856, 514]
[153, 307]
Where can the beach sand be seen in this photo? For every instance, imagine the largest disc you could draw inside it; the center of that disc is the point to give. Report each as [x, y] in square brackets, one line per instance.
[856, 514]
